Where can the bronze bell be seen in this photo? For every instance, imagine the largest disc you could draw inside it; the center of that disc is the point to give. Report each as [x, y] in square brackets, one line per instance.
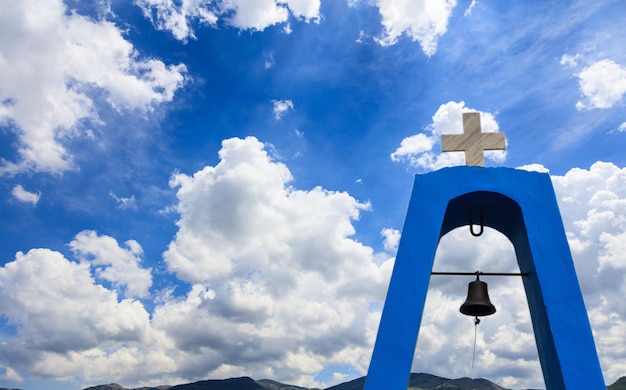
[477, 303]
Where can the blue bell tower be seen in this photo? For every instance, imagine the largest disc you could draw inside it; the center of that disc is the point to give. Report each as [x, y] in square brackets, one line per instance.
[522, 206]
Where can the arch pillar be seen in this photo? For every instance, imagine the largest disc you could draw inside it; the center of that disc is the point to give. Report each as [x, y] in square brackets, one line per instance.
[521, 205]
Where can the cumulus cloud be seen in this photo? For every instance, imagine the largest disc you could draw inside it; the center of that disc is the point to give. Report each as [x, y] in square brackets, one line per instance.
[63, 318]
[68, 57]
[418, 151]
[392, 239]
[25, 196]
[602, 83]
[424, 21]
[235, 203]
[305, 9]
[281, 107]
[120, 266]
[593, 207]
[178, 17]
[271, 265]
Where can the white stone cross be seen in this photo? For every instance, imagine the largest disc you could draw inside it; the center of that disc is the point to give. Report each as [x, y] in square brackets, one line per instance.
[472, 141]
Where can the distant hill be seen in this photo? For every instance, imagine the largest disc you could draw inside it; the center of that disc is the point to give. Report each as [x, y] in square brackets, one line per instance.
[416, 382]
[273, 385]
[429, 382]
[115, 386]
[244, 383]
[619, 384]
[468, 384]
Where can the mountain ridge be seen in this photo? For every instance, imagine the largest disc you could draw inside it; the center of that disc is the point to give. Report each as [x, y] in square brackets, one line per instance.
[417, 381]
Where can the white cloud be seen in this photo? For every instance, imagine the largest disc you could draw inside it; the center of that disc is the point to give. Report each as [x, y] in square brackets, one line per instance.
[469, 9]
[392, 239]
[287, 29]
[622, 127]
[123, 202]
[414, 144]
[256, 15]
[423, 21]
[258, 253]
[175, 16]
[602, 84]
[9, 374]
[308, 10]
[25, 196]
[113, 263]
[362, 37]
[281, 107]
[52, 59]
[418, 151]
[269, 60]
[593, 207]
[63, 318]
[534, 168]
[236, 202]
[570, 61]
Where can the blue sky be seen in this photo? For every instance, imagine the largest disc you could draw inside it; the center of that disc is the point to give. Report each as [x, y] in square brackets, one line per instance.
[207, 189]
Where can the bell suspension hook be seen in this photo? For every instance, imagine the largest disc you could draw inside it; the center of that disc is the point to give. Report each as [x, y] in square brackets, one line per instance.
[482, 224]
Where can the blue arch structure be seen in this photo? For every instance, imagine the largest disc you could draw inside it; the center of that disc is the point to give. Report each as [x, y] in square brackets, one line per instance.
[522, 206]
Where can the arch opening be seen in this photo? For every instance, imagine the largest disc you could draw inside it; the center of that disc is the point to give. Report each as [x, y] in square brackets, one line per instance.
[506, 351]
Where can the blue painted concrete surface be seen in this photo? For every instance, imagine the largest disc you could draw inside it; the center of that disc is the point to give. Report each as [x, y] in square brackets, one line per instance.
[522, 206]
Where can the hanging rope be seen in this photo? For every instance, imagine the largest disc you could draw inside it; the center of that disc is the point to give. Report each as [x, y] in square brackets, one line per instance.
[476, 322]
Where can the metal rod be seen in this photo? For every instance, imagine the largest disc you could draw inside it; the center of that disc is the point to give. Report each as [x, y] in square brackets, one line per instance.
[482, 273]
